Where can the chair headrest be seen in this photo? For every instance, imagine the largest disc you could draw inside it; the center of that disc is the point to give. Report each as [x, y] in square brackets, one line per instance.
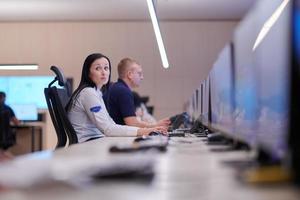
[59, 75]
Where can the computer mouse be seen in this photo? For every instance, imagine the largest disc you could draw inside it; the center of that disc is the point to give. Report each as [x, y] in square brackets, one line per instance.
[155, 133]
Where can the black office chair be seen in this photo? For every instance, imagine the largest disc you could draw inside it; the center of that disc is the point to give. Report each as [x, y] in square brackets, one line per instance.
[57, 98]
[7, 136]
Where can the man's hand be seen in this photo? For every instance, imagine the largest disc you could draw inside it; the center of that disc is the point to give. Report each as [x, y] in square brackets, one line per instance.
[164, 122]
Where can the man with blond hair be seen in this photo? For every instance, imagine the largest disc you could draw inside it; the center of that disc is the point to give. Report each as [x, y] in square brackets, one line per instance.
[120, 100]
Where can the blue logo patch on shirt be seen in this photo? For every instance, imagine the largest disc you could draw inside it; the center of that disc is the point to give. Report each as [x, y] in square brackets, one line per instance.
[95, 109]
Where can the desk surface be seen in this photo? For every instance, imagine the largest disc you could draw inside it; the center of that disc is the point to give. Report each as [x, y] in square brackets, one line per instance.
[29, 124]
[188, 170]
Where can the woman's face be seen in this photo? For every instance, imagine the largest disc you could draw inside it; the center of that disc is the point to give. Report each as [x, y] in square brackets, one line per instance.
[99, 72]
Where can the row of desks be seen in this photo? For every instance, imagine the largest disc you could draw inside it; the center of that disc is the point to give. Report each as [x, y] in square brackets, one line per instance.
[189, 169]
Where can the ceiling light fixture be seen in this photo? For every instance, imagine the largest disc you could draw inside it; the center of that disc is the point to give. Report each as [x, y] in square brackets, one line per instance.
[19, 66]
[269, 23]
[159, 40]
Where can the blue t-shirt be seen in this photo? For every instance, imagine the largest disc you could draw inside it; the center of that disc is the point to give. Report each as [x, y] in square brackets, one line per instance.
[119, 102]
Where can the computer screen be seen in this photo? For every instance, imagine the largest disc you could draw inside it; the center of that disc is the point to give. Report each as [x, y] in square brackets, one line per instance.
[21, 90]
[201, 99]
[272, 57]
[195, 106]
[294, 126]
[221, 85]
[197, 102]
[25, 112]
[193, 102]
[205, 114]
[199, 92]
[246, 109]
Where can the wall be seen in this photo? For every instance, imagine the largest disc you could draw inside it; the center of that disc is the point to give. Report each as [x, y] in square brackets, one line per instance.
[192, 47]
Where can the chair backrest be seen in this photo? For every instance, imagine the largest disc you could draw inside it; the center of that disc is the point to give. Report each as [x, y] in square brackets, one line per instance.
[60, 78]
[6, 134]
[56, 99]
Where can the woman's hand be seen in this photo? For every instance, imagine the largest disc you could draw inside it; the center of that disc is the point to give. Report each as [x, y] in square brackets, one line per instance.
[147, 131]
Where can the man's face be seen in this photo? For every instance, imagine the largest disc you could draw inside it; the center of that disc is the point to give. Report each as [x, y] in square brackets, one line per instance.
[136, 75]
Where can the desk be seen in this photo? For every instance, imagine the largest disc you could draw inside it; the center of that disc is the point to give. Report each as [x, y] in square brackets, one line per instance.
[34, 128]
[188, 170]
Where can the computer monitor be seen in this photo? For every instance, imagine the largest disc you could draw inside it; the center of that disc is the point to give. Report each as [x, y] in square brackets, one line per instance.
[193, 107]
[294, 125]
[25, 112]
[221, 85]
[200, 99]
[197, 102]
[199, 93]
[246, 108]
[205, 119]
[21, 90]
[197, 125]
[263, 79]
[273, 61]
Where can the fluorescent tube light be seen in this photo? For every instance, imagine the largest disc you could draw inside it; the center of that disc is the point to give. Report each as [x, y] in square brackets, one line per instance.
[269, 23]
[159, 40]
[18, 67]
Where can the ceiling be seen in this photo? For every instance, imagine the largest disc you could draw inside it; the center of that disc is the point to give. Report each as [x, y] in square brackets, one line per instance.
[81, 10]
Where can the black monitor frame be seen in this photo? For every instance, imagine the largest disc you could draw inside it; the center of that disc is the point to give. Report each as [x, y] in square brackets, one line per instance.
[294, 136]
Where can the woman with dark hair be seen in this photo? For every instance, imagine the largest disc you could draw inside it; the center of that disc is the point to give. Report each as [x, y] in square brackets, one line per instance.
[86, 108]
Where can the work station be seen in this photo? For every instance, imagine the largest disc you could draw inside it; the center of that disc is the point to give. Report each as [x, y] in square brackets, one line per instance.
[223, 77]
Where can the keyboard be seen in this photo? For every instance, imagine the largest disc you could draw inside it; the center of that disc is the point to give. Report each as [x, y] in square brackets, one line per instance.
[176, 134]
